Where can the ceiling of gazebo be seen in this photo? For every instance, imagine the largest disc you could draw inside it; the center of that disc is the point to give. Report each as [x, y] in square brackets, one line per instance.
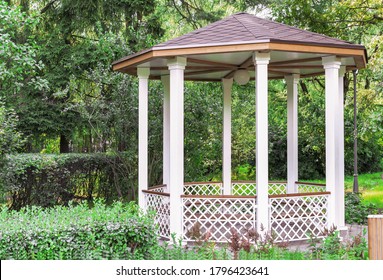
[217, 50]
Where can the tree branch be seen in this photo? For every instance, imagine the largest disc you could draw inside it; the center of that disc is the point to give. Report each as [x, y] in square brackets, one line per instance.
[50, 4]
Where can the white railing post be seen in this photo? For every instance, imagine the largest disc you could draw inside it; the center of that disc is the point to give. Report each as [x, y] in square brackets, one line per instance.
[226, 147]
[292, 132]
[261, 61]
[331, 65]
[143, 79]
[176, 170]
[166, 132]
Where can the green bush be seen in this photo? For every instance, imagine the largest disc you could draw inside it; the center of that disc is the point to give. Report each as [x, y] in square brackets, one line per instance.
[51, 179]
[356, 211]
[76, 232]
[329, 248]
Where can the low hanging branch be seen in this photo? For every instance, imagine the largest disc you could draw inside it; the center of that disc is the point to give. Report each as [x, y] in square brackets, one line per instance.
[46, 8]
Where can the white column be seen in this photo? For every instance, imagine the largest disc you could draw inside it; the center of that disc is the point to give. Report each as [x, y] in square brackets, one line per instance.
[143, 78]
[261, 61]
[226, 147]
[292, 132]
[176, 170]
[331, 65]
[339, 130]
[166, 132]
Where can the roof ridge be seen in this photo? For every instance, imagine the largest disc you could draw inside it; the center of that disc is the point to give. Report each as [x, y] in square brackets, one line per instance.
[243, 13]
[302, 30]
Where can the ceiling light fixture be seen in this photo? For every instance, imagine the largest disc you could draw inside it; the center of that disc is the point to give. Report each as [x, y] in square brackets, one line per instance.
[241, 77]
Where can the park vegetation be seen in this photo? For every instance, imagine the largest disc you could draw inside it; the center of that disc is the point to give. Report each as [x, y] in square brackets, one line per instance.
[69, 124]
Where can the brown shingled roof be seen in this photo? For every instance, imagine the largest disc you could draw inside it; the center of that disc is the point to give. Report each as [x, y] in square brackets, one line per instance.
[217, 50]
[242, 28]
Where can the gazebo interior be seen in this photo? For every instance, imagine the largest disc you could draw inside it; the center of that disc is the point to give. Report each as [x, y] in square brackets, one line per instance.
[237, 49]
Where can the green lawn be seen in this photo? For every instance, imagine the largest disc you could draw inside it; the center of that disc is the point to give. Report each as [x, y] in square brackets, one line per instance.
[370, 185]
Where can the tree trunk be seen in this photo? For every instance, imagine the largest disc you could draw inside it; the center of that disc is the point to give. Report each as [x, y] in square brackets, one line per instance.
[64, 144]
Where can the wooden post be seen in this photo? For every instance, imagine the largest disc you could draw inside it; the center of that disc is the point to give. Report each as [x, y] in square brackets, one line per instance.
[261, 61]
[166, 132]
[226, 153]
[331, 64]
[176, 131]
[143, 79]
[375, 237]
[292, 132]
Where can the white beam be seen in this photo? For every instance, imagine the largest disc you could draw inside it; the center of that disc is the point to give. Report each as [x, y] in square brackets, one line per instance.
[292, 132]
[143, 79]
[261, 61]
[226, 147]
[331, 64]
[176, 171]
[339, 130]
[166, 132]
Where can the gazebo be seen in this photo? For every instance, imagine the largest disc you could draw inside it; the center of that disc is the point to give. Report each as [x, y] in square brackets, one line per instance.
[239, 48]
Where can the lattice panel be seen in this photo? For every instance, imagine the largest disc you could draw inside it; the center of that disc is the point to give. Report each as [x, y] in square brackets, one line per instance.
[203, 189]
[294, 218]
[161, 205]
[243, 188]
[250, 188]
[216, 216]
[160, 189]
[307, 188]
[277, 188]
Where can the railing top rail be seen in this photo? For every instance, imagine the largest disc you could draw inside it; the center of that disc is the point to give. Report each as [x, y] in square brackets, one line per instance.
[298, 194]
[157, 187]
[309, 183]
[156, 193]
[253, 182]
[218, 196]
[200, 183]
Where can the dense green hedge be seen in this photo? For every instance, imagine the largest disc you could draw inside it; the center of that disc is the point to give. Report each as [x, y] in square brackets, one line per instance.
[76, 232]
[51, 179]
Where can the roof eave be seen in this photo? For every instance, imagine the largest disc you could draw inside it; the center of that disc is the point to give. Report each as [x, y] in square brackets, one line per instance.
[259, 45]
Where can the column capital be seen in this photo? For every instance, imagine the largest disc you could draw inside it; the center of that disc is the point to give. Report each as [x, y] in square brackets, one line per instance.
[342, 71]
[261, 58]
[227, 82]
[178, 62]
[143, 72]
[331, 62]
[293, 77]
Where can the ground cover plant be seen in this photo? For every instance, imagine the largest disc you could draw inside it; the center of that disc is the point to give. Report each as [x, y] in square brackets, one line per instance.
[263, 247]
[120, 231]
[76, 232]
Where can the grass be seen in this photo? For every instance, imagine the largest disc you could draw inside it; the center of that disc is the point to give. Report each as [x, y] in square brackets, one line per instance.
[370, 185]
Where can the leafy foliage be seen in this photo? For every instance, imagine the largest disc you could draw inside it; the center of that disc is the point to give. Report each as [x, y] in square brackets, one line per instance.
[19, 63]
[263, 247]
[76, 232]
[48, 179]
[10, 138]
[356, 211]
[68, 100]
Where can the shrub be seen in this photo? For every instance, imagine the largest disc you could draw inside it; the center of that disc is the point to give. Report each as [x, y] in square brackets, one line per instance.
[76, 232]
[49, 179]
[263, 247]
[356, 211]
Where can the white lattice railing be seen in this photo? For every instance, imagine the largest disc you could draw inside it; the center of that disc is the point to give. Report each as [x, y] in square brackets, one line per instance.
[159, 202]
[204, 188]
[159, 188]
[215, 216]
[250, 188]
[304, 187]
[295, 217]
